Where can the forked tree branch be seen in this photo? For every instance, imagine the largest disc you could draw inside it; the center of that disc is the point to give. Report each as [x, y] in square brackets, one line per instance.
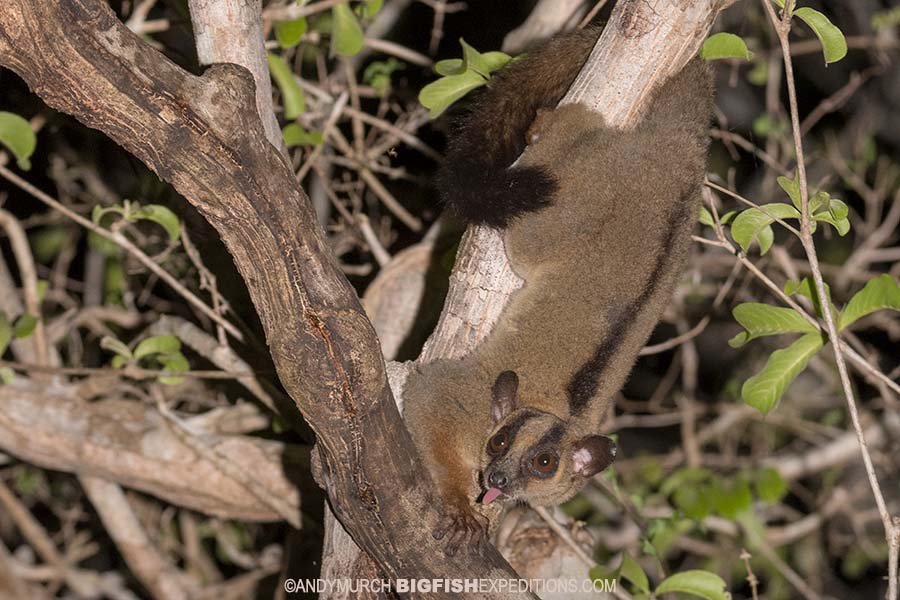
[203, 135]
[231, 31]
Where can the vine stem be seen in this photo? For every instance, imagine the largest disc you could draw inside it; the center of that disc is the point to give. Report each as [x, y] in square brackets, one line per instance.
[783, 28]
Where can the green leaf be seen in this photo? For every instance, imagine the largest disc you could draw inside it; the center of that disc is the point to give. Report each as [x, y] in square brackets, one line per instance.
[807, 288]
[750, 224]
[880, 292]
[834, 46]
[693, 500]
[7, 375]
[6, 332]
[837, 208]
[175, 363]
[157, 344]
[41, 287]
[438, 95]
[450, 66]
[684, 477]
[294, 135]
[759, 73]
[47, 242]
[104, 246]
[483, 64]
[16, 134]
[633, 572]
[842, 226]
[762, 319]
[370, 8]
[495, 60]
[791, 187]
[162, 216]
[115, 283]
[118, 361]
[697, 583]
[378, 74]
[117, 346]
[346, 33]
[99, 211]
[830, 210]
[885, 19]
[603, 573]
[291, 93]
[731, 498]
[770, 487]
[766, 125]
[24, 326]
[473, 60]
[764, 390]
[662, 533]
[724, 45]
[289, 33]
[706, 217]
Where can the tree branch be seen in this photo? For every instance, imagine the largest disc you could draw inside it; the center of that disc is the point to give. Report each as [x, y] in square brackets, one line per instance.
[203, 135]
[123, 441]
[231, 31]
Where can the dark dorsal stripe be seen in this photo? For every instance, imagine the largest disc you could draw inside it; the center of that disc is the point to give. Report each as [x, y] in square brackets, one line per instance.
[583, 385]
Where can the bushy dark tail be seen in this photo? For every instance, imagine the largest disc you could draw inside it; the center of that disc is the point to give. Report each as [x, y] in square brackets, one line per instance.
[476, 182]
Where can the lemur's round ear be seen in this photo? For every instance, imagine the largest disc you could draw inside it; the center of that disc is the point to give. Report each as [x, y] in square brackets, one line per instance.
[592, 454]
[503, 395]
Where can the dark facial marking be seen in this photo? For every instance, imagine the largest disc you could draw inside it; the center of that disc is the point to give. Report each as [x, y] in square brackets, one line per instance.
[513, 427]
[584, 383]
[552, 437]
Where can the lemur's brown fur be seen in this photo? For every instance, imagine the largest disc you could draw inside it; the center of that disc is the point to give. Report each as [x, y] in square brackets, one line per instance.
[600, 250]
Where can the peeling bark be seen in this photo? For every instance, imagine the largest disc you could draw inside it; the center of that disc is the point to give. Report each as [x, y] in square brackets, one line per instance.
[122, 441]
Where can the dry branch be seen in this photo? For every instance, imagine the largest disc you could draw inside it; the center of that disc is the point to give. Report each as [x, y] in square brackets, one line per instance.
[203, 135]
[122, 441]
[231, 31]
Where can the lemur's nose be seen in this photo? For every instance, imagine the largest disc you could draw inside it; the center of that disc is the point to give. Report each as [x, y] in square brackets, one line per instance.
[498, 480]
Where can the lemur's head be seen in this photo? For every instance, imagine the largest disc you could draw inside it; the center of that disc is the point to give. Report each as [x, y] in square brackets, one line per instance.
[533, 456]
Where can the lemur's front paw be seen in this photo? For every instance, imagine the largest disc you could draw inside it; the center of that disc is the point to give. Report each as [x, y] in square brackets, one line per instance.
[462, 527]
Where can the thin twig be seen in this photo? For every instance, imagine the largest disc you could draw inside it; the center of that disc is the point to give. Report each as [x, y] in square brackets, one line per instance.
[132, 372]
[127, 245]
[783, 28]
[25, 261]
[332, 120]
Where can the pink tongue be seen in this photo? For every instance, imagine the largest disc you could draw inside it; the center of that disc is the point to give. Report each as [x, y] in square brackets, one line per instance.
[491, 495]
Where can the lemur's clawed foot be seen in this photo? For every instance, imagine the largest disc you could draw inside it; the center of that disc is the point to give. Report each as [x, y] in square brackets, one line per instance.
[462, 527]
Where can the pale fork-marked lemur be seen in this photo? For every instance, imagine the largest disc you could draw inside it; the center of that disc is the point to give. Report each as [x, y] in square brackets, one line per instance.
[597, 222]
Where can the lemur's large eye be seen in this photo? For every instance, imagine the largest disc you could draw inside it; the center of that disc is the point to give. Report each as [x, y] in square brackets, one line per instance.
[544, 464]
[498, 444]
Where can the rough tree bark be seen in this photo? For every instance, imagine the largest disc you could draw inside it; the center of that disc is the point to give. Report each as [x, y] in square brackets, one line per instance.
[231, 31]
[122, 441]
[203, 135]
